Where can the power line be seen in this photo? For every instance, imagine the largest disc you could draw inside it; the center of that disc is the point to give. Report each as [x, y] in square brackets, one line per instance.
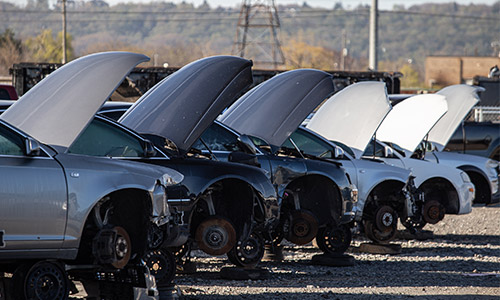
[285, 14]
[285, 11]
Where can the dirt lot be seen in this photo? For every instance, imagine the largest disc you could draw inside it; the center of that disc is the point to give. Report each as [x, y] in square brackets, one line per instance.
[462, 261]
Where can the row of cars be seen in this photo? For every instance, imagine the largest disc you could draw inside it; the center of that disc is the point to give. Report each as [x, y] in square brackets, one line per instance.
[87, 195]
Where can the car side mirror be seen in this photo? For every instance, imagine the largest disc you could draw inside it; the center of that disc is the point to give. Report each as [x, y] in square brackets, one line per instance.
[32, 147]
[149, 149]
[388, 152]
[338, 153]
[245, 142]
[431, 147]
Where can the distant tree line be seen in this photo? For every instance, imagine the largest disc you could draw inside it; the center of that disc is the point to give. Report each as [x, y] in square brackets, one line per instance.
[311, 37]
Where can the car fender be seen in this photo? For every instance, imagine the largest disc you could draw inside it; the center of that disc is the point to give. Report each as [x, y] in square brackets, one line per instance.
[89, 179]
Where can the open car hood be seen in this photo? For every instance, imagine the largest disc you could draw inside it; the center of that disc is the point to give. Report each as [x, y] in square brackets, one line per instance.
[181, 106]
[59, 108]
[275, 108]
[409, 121]
[352, 115]
[461, 98]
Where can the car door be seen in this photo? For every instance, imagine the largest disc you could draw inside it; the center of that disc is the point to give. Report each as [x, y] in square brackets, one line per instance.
[33, 197]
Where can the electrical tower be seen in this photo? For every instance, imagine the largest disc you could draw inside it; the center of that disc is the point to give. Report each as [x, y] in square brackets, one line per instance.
[256, 34]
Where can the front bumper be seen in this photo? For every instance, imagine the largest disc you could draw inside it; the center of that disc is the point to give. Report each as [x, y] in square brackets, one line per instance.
[467, 193]
[349, 204]
[495, 198]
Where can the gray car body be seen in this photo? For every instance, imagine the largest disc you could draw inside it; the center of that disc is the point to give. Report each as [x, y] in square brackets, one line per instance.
[47, 196]
[46, 199]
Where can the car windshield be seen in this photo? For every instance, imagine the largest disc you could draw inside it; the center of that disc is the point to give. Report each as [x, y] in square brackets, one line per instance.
[218, 138]
[103, 139]
[309, 144]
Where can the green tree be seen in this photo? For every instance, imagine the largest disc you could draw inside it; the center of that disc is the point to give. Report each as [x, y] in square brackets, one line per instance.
[45, 48]
[11, 51]
[410, 77]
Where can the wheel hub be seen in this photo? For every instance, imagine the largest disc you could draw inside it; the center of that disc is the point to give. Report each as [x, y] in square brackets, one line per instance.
[121, 247]
[433, 212]
[304, 227]
[215, 236]
[384, 218]
[301, 228]
[387, 219]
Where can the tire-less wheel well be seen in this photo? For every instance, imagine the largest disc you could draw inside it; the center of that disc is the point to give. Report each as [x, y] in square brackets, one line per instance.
[385, 193]
[129, 209]
[317, 194]
[443, 191]
[481, 184]
[232, 199]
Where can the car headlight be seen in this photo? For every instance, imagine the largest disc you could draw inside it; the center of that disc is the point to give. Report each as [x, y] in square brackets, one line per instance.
[354, 193]
[465, 177]
[171, 177]
[161, 212]
[492, 166]
[492, 163]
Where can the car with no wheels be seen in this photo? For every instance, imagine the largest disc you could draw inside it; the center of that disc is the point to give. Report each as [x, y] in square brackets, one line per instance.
[62, 212]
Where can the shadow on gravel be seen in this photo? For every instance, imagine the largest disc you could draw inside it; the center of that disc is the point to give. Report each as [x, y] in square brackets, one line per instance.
[470, 239]
[457, 251]
[367, 273]
[330, 295]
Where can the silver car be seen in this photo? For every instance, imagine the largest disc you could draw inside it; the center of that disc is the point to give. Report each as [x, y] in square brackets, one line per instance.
[62, 211]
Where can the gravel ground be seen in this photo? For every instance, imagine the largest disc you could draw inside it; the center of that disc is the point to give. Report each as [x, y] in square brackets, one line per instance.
[462, 261]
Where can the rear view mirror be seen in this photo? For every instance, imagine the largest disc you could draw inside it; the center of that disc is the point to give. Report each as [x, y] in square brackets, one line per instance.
[149, 149]
[245, 142]
[338, 153]
[388, 152]
[32, 147]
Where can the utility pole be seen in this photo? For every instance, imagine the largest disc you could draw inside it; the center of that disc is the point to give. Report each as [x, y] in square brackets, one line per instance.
[64, 31]
[373, 36]
[344, 50]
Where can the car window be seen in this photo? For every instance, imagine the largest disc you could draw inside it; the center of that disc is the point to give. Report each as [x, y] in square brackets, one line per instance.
[4, 94]
[261, 144]
[379, 150]
[218, 138]
[113, 114]
[10, 143]
[344, 147]
[309, 144]
[103, 139]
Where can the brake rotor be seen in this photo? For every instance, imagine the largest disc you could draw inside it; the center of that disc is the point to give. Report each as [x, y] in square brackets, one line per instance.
[215, 236]
[122, 248]
[303, 227]
[433, 212]
[385, 218]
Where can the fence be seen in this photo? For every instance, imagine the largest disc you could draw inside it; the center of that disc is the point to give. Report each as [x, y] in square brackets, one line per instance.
[485, 113]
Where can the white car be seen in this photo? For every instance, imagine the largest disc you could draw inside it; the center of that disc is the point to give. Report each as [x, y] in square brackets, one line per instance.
[482, 171]
[443, 189]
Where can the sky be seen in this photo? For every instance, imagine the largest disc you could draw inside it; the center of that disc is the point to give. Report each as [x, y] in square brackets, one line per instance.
[382, 4]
